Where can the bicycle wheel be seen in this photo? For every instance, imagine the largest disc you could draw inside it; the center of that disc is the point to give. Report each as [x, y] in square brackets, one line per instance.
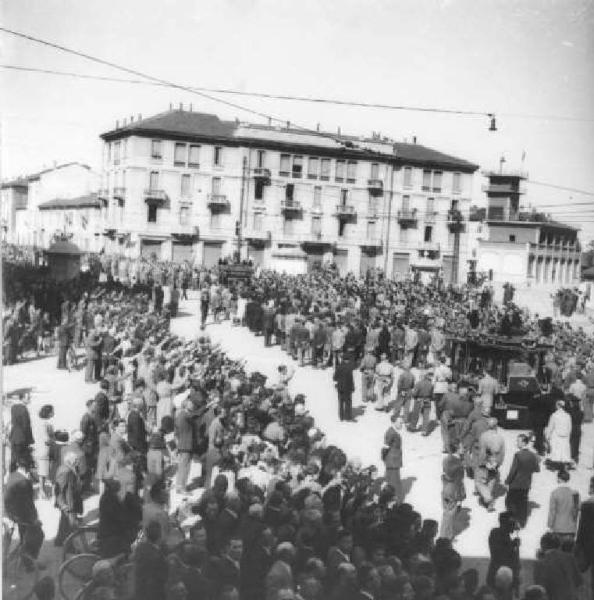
[75, 573]
[81, 541]
[19, 577]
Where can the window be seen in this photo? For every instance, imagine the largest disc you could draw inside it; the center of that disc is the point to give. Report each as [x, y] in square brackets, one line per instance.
[406, 203]
[317, 197]
[407, 183]
[289, 226]
[194, 157]
[124, 148]
[285, 160]
[326, 167]
[457, 183]
[151, 216]
[108, 152]
[437, 177]
[428, 233]
[156, 149]
[218, 156]
[373, 205]
[297, 167]
[259, 190]
[351, 171]
[261, 158]
[184, 215]
[258, 221]
[316, 225]
[179, 155]
[116, 153]
[426, 181]
[374, 171]
[339, 170]
[512, 238]
[289, 192]
[344, 197]
[121, 210]
[216, 186]
[185, 185]
[370, 230]
[215, 220]
[312, 168]
[154, 180]
[430, 211]
[342, 228]
[454, 205]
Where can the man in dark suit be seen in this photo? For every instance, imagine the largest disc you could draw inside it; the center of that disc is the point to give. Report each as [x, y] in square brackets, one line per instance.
[504, 549]
[584, 541]
[184, 437]
[64, 342]
[226, 568]
[137, 428]
[20, 507]
[255, 564]
[556, 570]
[392, 455]
[93, 345]
[343, 377]
[519, 480]
[150, 565]
[268, 315]
[21, 436]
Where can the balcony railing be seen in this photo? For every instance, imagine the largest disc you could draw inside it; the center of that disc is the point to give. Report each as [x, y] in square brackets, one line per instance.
[151, 194]
[345, 210]
[119, 193]
[103, 194]
[375, 186]
[429, 247]
[217, 201]
[407, 217]
[257, 234]
[291, 206]
[261, 173]
[455, 221]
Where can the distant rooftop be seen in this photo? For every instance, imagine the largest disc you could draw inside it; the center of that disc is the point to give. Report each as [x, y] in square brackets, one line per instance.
[88, 201]
[24, 180]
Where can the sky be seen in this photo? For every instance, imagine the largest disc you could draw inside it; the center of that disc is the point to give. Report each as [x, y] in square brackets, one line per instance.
[527, 61]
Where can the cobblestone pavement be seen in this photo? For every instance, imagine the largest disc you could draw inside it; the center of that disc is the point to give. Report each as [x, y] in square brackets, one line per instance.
[422, 455]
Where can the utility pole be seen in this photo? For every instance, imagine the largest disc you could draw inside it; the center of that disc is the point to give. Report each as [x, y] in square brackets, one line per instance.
[390, 196]
[239, 224]
[456, 226]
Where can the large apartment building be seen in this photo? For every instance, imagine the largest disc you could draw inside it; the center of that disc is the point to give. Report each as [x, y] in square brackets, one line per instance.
[184, 185]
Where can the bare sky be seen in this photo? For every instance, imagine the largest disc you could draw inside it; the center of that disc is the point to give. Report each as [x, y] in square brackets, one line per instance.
[525, 57]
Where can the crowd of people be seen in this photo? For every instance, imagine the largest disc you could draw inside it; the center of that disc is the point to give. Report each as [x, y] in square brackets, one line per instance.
[284, 514]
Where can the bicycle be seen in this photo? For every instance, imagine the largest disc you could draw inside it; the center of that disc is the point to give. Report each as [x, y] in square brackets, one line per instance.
[19, 570]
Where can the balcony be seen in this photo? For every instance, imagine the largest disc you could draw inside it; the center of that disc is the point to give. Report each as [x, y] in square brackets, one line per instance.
[375, 187]
[430, 250]
[345, 211]
[262, 173]
[119, 193]
[375, 243]
[291, 207]
[455, 221]
[407, 218]
[103, 197]
[155, 195]
[429, 216]
[256, 235]
[217, 201]
[503, 188]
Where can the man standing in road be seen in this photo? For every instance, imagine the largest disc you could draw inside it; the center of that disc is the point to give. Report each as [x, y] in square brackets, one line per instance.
[384, 373]
[519, 480]
[491, 455]
[345, 386]
[488, 388]
[584, 541]
[564, 506]
[392, 455]
[21, 435]
[406, 383]
[422, 394]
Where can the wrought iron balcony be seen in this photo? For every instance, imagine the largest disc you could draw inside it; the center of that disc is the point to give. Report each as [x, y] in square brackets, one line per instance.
[430, 250]
[262, 173]
[407, 217]
[291, 206]
[218, 201]
[119, 193]
[157, 195]
[375, 186]
[455, 221]
[345, 210]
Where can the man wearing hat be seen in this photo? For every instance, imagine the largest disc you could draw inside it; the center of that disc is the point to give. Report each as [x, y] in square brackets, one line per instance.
[345, 386]
[422, 394]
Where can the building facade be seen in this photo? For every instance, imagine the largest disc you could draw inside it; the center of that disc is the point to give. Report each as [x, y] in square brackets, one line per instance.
[521, 251]
[184, 185]
[25, 201]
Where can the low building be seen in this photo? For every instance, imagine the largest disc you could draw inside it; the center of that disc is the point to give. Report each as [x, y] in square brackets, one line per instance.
[184, 185]
[22, 221]
[522, 250]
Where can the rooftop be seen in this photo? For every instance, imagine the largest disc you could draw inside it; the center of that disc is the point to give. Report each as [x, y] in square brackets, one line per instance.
[190, 124]
[24, 180]
[88, 201]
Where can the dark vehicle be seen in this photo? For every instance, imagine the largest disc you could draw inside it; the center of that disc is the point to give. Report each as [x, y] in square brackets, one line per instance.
[235, 273]
[518, 365]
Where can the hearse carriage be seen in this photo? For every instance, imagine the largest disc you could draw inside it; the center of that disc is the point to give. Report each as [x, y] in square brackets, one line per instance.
[518, 365]
[235, 273]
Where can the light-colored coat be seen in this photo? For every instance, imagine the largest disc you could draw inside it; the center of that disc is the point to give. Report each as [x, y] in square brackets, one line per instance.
[558, 431]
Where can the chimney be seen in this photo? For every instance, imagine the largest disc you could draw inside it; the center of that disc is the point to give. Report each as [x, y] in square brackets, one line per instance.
[338, 130]
[269, 121]
[318, 127]
[191, 107]
[171, 106]
[288, 124]
[131, 118]
[414, 139]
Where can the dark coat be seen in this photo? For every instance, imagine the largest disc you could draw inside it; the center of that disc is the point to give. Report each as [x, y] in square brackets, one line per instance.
[343, 376]
[18, 498]
[524, 464]
[150, 572]
[557, 572]
[585, 533]
[393, 456]
[20, 431]
[255, 565]
[137, 432]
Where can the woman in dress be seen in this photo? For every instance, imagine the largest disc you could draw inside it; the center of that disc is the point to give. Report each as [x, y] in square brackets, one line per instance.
[43, 435]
